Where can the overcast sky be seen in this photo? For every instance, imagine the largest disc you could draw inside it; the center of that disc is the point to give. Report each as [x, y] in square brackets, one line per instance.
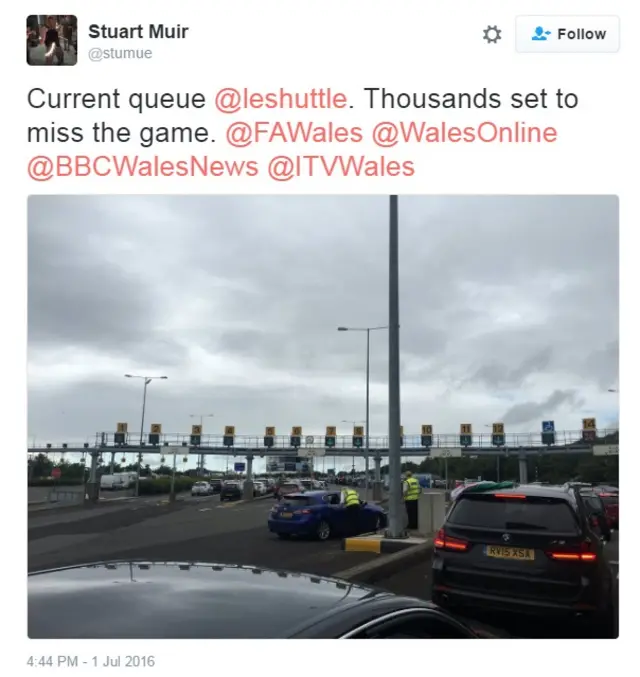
[508, 312]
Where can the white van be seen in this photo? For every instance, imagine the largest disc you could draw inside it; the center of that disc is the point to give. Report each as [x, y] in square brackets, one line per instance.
[112, 482]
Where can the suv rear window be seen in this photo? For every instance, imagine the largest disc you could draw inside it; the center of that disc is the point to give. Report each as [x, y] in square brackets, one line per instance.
[538, 514]
[610, 500]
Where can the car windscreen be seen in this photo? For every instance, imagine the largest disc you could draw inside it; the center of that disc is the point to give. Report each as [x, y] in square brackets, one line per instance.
[289, 487]
[535, 513]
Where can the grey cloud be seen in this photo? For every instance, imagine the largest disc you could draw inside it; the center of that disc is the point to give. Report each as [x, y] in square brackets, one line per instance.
[497, 375]
[529, 412]
[603, 365]
[497, 293]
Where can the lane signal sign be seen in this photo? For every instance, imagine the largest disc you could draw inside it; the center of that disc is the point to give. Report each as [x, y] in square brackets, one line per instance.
[269, 436]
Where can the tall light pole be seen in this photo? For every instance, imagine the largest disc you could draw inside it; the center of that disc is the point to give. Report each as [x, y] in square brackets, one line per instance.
[147, 380]
[367, 415]
[396, 517]
[201, 417]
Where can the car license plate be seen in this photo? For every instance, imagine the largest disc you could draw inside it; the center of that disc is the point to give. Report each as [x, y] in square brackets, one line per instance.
[286, 514]
[502, 552]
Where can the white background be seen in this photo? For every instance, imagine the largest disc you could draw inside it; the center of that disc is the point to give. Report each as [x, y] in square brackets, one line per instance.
[265, 45]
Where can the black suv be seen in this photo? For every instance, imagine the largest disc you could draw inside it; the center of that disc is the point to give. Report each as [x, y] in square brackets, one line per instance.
[231, 491]
[526, 549]
[216, 485]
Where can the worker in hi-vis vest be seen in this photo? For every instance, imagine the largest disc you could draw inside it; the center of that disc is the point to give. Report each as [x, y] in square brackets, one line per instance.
[411, 491]
[351, 500]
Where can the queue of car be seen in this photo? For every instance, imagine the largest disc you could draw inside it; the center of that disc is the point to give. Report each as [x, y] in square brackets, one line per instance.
[233, 489]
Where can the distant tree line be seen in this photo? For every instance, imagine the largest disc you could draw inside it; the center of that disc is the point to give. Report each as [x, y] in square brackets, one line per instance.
[554, 468]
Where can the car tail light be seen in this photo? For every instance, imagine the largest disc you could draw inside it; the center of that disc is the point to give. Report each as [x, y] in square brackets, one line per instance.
[522, 497]
[584, 554]
[444, 542]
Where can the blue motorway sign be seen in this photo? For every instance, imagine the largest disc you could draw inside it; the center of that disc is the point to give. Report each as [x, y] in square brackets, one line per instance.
[548, 426]
[239, 467]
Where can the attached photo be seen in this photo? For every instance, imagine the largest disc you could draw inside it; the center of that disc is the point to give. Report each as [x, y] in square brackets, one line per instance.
[52, 40]
[191, 361]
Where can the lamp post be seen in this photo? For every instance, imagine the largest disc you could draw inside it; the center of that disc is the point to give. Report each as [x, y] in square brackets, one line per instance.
[147, 380]
[397, 519]
[368, 330]
[201, 457]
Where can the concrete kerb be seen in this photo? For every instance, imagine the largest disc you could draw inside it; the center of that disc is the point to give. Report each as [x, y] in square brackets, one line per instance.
[386, 566]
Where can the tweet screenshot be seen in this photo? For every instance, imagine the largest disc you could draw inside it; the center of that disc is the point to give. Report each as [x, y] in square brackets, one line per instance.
[233, 224]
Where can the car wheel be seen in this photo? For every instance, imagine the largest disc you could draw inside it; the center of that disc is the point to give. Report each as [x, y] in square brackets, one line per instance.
[323, 531]
[284, 537]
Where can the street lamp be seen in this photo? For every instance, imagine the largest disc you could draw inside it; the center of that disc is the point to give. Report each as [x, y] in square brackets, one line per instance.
[201, 417]
[368, 330]
[147, 380]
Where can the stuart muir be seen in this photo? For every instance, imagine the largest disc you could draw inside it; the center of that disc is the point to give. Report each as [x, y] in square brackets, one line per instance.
[154, 31]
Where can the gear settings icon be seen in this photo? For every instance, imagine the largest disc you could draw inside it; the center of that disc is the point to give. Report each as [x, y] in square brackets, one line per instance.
[492, 34]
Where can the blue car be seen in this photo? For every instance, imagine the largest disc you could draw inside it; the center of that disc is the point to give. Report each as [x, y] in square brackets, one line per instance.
[320, 515]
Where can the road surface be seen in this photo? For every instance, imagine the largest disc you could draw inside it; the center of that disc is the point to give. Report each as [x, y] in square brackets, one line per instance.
[195, 529]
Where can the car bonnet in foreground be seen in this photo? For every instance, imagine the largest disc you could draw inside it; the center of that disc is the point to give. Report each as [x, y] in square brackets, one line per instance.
[152, 600]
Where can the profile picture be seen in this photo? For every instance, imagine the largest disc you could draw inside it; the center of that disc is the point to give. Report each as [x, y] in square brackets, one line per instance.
[52, 40]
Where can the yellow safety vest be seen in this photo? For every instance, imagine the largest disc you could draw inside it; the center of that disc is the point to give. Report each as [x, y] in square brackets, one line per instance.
[351, 498]
[414, 489]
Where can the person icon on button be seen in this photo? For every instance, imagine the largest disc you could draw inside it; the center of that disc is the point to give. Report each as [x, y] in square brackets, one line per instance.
[540, 34]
